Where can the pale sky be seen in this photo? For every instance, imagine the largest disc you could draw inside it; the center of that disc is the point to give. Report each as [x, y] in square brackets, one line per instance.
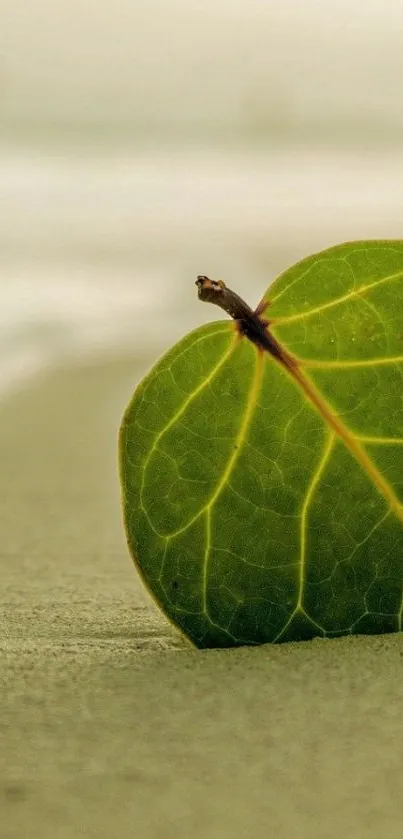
[189, 61]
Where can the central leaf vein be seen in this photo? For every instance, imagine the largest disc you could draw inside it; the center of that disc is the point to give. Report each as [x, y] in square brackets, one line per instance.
[351, 442]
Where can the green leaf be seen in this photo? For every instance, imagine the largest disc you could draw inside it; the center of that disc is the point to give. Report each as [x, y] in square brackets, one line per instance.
[263, 503]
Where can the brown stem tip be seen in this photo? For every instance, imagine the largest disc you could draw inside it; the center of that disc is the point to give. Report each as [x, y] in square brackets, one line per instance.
[249, 322]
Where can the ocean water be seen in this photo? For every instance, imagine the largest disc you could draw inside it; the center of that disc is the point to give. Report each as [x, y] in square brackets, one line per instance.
[99, 252]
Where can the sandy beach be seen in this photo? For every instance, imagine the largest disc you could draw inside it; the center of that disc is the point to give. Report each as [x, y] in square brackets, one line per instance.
[111, 724]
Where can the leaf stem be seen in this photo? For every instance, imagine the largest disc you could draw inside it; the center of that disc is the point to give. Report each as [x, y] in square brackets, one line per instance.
[248, 321]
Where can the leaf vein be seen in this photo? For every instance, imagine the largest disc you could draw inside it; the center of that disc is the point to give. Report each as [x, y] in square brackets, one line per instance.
[355, 292]
[329, 442]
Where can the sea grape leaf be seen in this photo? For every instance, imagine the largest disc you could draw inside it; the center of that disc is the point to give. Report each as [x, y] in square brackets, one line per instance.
[262, 505]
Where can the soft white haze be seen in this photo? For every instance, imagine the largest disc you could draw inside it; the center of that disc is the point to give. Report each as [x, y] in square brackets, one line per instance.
[143, 143]
[253, 66]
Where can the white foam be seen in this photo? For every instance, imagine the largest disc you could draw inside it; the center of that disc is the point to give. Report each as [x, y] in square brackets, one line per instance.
[99, 254]
[46, 316]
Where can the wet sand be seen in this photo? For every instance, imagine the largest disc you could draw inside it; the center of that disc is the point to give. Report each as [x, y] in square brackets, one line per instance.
[111, 725]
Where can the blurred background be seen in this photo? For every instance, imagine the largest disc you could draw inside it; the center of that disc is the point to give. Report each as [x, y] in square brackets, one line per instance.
[145, 141]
